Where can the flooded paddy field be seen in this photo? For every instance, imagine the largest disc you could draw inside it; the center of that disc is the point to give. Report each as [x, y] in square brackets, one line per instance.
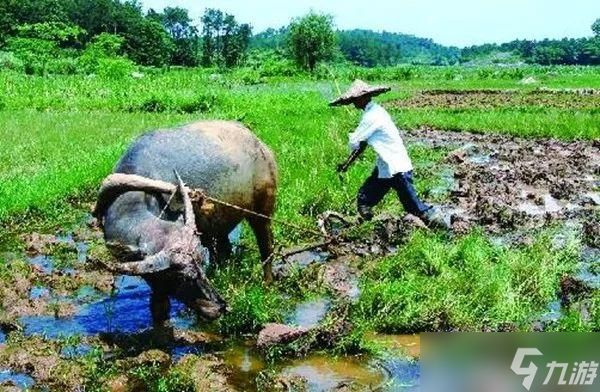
[523, 253]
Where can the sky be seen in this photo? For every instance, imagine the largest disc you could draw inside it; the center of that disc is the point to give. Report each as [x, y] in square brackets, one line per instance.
[449, 22]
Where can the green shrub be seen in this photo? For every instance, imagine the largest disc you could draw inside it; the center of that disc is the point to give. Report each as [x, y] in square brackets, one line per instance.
[115, 68]
[159, 103]
[62, 66]
[201, 103]
[154, 104]
[9, 60]
[251, 307]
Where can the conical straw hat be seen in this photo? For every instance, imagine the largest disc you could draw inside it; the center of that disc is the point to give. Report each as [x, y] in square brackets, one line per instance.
[359, 89]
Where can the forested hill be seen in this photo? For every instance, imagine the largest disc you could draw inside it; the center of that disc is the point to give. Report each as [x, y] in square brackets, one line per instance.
[370, 48]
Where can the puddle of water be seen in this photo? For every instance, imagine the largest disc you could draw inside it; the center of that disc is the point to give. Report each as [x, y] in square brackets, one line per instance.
[480, 159]
[2, 337]
[308, 314]
[127, 312]
[553, 314]
[44, 263]
[589, 267]
[354, 292]
[246, 364]
[403, 375]
[593, 197]
[82, 250]
[235, 237]
[179, 352]
[324, 373]
[550, 206]
[75, 351]
[410, 345]
[86, 294]
[303, 259]
[37, 292]
[20, 380]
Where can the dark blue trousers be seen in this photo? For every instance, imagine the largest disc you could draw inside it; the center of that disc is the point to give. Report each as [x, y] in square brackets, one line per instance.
[374, 189]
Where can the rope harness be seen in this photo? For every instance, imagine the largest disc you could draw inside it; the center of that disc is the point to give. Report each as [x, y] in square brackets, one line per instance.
[199, 196]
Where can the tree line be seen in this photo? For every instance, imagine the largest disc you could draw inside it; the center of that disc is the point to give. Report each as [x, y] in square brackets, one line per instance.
[42, 33]
[566, 51]
[112, 36]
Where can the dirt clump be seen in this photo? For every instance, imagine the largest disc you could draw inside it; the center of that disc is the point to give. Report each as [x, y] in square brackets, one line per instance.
[341, 278]
[277, 382]
[208, 373]
[274, 334]
[572, 290]
[591, 230]
[41, 359]
[152, 357]
[36, 243]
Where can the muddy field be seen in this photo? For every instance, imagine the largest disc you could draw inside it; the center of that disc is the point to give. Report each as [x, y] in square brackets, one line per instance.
[502, 183]
[488, 99]
[62, 313]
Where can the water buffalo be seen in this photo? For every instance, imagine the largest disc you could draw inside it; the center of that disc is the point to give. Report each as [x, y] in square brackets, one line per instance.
[155, 230]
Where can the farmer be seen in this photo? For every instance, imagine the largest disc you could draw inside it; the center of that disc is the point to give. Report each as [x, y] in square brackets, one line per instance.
[394, 168]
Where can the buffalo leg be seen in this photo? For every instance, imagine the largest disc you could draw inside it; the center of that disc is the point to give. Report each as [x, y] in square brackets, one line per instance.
[160, 308]
[224, 248]
[264, 237]
[219, 248]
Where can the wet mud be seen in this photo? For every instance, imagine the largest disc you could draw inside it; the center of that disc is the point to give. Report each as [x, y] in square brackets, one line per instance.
[504, 183]
[490, 99]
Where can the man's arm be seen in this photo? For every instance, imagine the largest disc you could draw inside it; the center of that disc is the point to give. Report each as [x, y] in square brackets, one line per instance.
[358, 141]
[365, 129]
[343, 167]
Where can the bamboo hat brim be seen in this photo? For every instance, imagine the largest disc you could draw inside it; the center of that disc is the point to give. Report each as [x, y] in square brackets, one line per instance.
[359, 89]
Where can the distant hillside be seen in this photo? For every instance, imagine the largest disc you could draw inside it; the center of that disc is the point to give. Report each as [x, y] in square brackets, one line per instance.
[369, 48]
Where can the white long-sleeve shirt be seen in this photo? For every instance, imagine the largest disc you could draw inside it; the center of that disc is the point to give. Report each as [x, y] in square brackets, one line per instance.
[379, 131]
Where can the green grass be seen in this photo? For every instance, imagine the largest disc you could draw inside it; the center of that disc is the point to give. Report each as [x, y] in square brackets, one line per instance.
[522, 122]
[63, 134]
[466, 283]
[56, 154]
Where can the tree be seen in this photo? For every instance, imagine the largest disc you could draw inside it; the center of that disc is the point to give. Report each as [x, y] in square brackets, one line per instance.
[212, 24]
[148, 43]
[224, 41]
[14, 13]
[312, 39]
[596, 27]
[184, 34]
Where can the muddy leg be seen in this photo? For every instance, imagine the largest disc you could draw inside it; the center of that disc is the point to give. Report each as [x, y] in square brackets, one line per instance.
[264, 237]
[160, 308]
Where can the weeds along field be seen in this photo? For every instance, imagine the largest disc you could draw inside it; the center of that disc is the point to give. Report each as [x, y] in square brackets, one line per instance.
[512, 152]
